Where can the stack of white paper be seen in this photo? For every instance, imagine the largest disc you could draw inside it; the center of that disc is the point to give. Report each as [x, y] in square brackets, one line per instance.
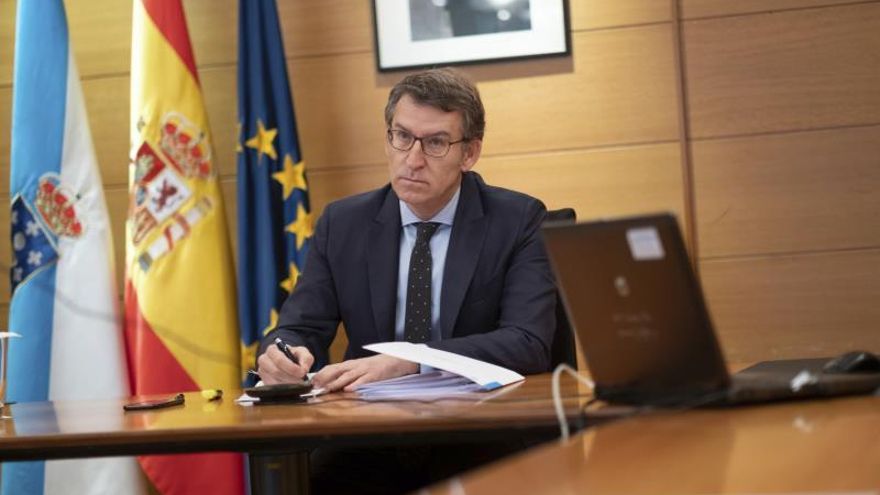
[464, 375]
[423, 386]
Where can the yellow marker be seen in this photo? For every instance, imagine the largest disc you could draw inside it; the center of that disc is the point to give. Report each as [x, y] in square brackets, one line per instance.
[212, 394]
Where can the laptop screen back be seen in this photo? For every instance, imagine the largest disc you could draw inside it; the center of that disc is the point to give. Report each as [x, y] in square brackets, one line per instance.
[637, 309]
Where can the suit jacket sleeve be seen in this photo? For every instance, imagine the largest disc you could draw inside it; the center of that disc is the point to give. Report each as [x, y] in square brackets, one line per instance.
[519, 330]
[312, 317]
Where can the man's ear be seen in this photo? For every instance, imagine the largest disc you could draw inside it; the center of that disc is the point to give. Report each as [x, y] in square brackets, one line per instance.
[472, 151]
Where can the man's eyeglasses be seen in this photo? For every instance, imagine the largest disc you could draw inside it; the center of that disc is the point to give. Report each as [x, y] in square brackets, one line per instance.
[436, 146]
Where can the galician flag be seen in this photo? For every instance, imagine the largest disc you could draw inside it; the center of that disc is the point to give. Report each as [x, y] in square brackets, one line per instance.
[64, 295]
[181, 321]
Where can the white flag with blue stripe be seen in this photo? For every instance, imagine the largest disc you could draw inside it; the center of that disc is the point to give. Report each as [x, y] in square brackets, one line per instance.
[64, 298]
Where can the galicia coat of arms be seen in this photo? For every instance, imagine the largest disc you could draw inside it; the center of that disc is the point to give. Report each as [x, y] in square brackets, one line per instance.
[36, 225]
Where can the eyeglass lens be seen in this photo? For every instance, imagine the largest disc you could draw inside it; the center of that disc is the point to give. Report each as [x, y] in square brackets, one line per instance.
[436, 146]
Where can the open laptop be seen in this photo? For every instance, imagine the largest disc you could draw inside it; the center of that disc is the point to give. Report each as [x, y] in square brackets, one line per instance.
[638, 311]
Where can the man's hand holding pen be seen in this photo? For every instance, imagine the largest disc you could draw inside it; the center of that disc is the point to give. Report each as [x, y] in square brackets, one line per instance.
[282, 363]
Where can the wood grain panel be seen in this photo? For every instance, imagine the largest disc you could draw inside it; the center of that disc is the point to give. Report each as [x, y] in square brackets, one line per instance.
[801, 306]
[598, 183]
[5, 250]
[230, 202]
[787, 193]
[107, 105]
[594, 14]
[221, 100]
[7, 40]
[621, 91]
[213, 29]
[5, 136]
[100, 31]
[100, 35]
[329, 185]
[712, 8]
[321, 27]
[802, 69]
[117, 207]
[339, 109]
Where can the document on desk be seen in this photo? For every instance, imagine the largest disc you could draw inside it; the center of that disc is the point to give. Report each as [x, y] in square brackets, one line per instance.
[437, 384]
[487, 376]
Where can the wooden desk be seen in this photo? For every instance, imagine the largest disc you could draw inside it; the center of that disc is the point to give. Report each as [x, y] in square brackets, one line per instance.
[824, 446]
[47, 430]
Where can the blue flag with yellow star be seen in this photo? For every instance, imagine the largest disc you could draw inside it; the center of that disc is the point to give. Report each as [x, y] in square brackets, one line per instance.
[274, 220]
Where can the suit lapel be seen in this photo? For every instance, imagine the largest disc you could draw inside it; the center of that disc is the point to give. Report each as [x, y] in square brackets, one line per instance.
[382, 264]
[465, 244]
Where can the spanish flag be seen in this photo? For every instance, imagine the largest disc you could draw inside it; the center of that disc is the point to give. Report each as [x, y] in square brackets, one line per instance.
[181, 317]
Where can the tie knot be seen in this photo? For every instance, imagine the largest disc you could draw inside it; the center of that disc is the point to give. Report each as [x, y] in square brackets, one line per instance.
[425, 230]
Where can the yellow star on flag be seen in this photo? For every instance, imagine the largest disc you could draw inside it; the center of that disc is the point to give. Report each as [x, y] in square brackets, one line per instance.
[302, 226]
[288, 283]
[262, 141]
[249, 356]
[273, 320]
[291, 176]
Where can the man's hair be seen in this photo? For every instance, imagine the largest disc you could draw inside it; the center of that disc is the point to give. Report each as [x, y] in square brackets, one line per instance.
[446, 89]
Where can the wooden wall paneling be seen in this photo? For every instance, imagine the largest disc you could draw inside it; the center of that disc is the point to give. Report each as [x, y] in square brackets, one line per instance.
[322, 27]
[795, 70]
[100, 31]
[714, 8]
[100, 34]
[219, 90]
[789, 192]
[107, 101]
[7, 40]
[622, 90]
[229, 188]
[595, 14]
[326, 185]
[117, 207]
[4, 316]
[5, 250]
[339, 110]
[798, 306]
[596, 183]
[213, 30]
[5, 136]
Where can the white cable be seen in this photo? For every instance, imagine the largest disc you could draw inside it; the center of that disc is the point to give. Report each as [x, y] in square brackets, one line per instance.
[557, 397]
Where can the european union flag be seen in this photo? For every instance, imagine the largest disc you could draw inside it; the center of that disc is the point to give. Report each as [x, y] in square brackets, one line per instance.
[274, 220]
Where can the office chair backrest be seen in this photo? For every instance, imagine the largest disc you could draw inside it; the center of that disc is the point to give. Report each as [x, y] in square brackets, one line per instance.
[563, 348]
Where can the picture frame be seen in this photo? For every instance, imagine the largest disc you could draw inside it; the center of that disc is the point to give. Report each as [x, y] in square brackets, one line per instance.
[413, 34]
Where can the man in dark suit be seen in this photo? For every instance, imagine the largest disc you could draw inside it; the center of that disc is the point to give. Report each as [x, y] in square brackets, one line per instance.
[488, 291]
[436, 256]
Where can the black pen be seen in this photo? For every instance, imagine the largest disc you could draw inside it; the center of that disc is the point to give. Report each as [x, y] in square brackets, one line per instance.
[283, 348]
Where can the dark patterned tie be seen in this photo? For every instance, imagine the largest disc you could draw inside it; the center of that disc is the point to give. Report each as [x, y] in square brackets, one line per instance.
[417, 326]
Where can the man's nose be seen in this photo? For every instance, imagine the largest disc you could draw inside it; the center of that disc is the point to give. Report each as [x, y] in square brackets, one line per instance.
[415, 157]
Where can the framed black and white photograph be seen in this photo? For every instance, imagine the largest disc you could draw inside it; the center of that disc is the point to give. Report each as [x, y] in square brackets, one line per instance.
[421, 33]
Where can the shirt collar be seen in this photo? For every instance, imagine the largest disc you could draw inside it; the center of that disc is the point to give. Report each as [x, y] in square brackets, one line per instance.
[444, 216]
